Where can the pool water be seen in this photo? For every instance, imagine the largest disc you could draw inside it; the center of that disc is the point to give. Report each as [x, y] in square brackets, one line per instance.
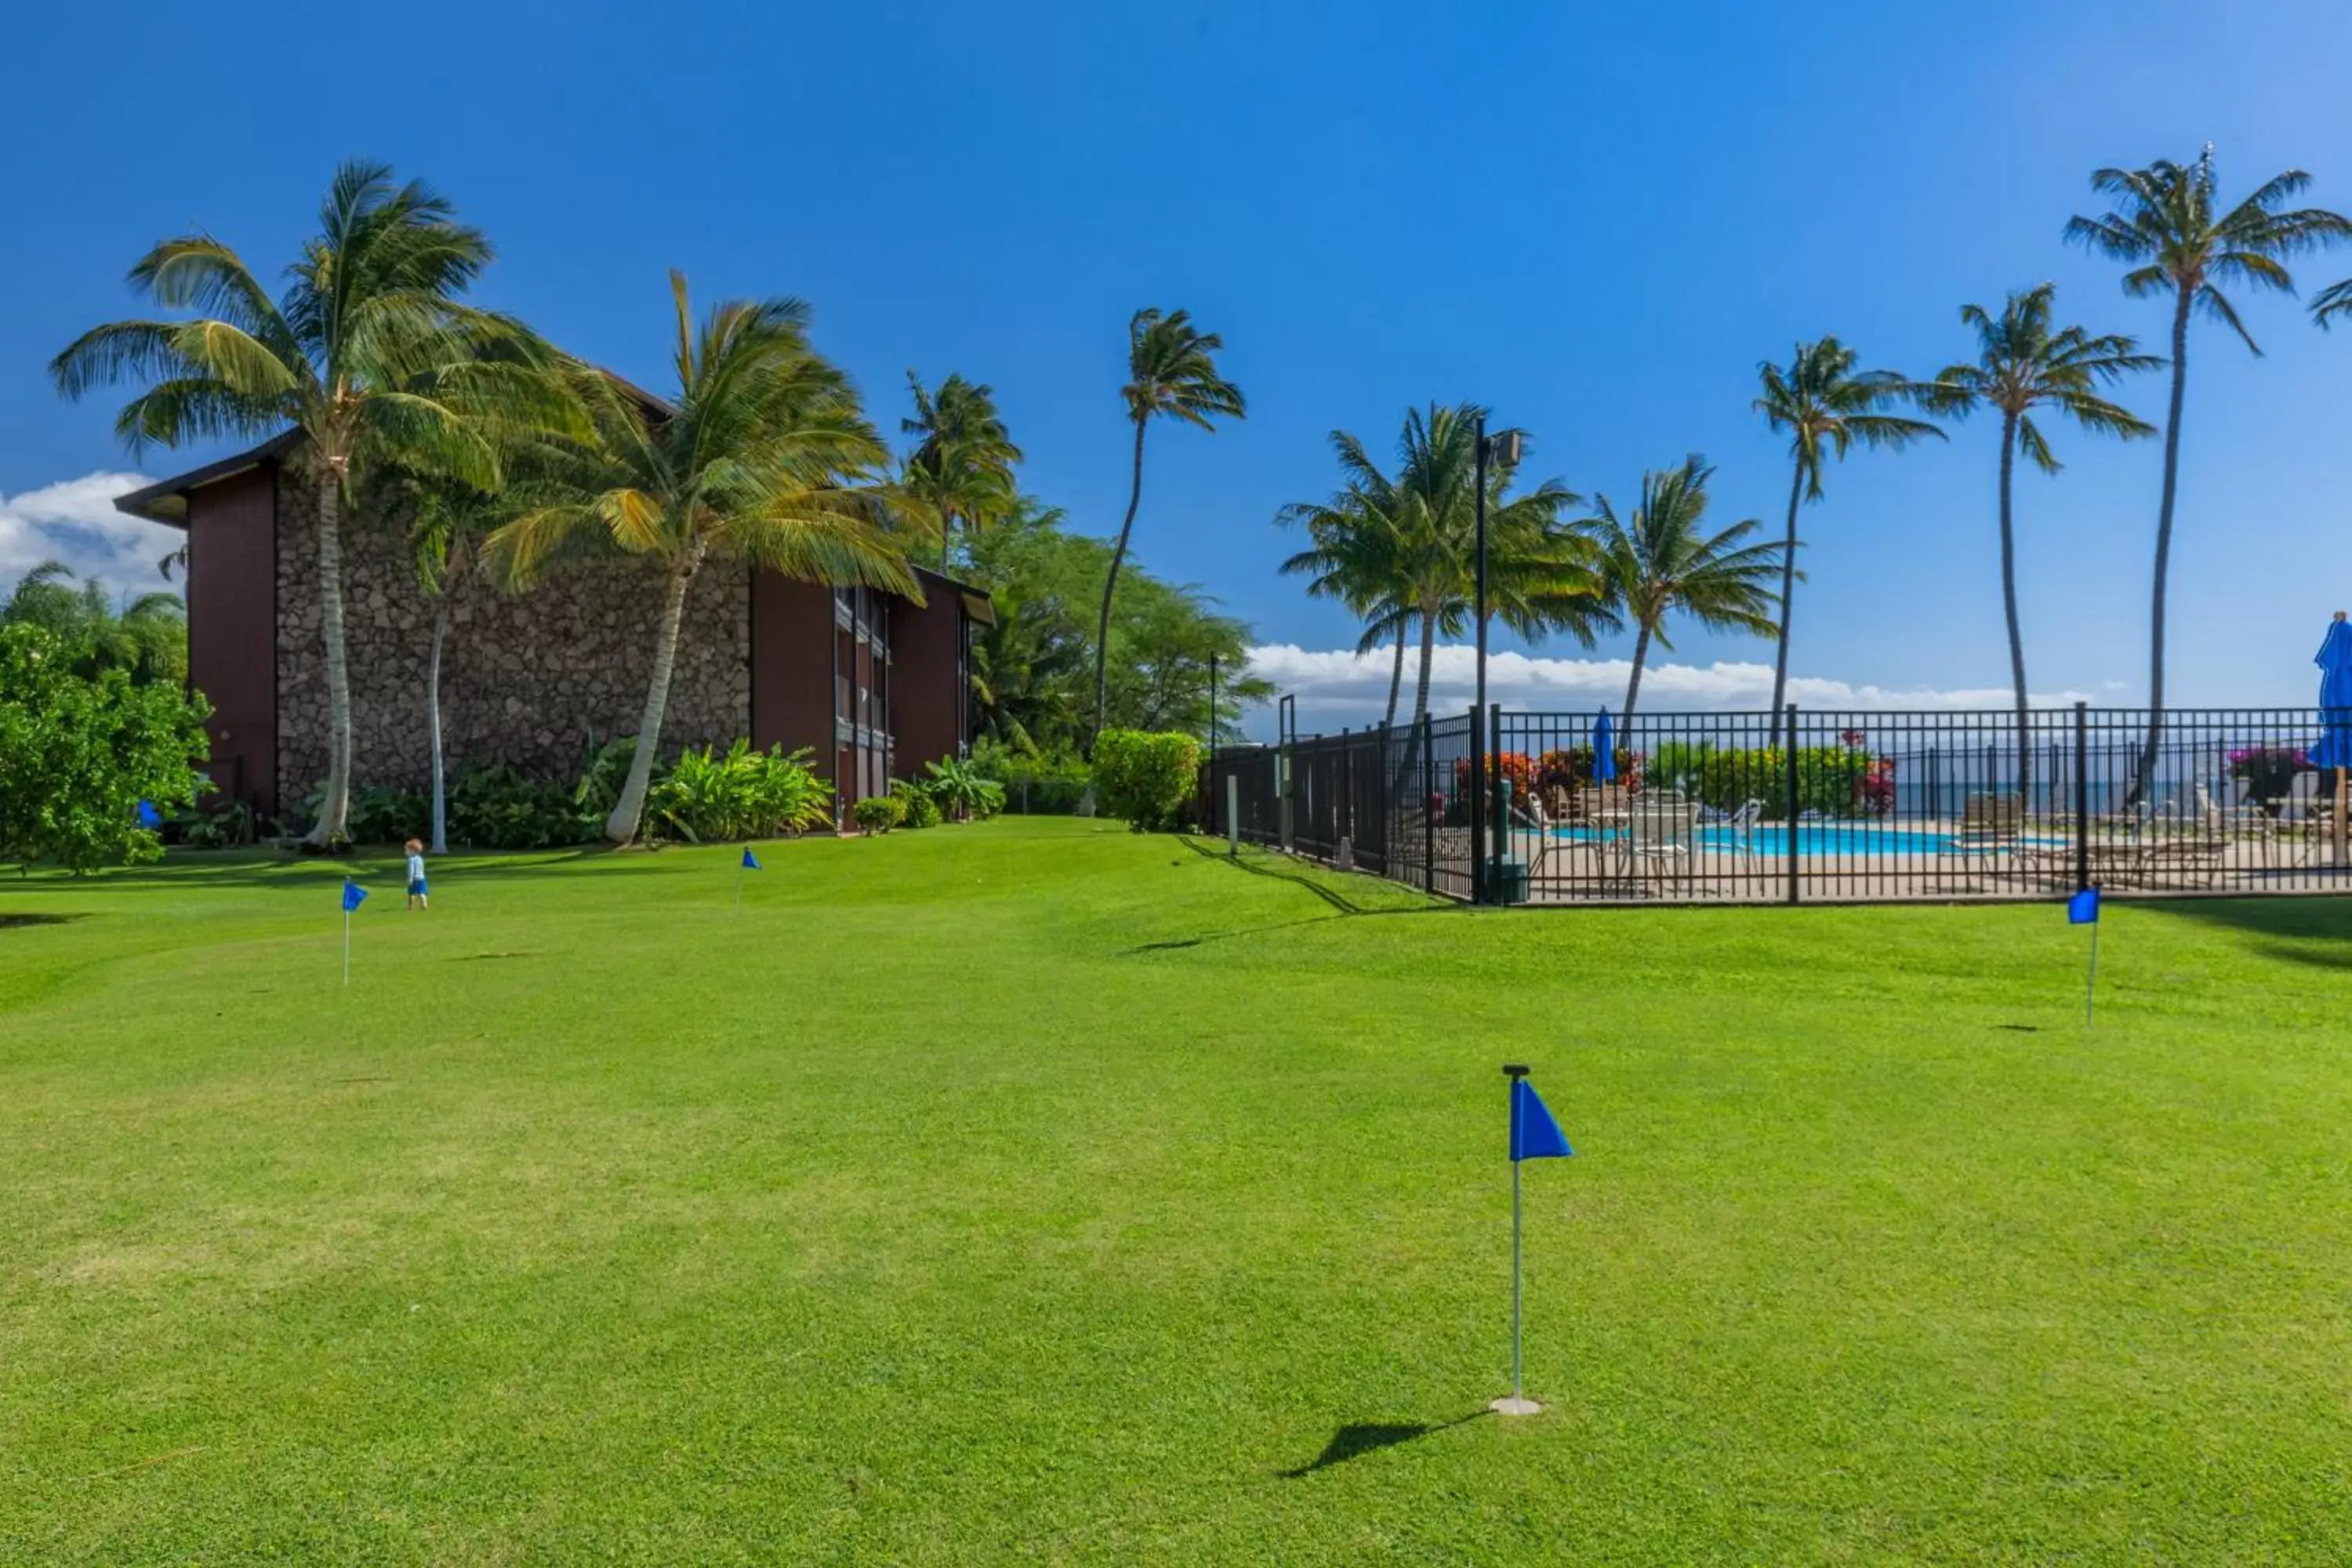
[1816, 838]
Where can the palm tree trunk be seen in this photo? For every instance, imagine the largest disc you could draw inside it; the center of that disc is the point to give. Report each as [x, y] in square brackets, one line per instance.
[2147, 779]
[1420, 699]
[1110, 586]
[1634, 686]
[1396, 675]
[1788, 594]
[334, 811]
[2008, 603]
[947, 532]
[628, 811]
[433, 722]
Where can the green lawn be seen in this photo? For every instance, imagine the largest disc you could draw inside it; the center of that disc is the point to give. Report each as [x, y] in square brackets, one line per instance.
[1042, 1192]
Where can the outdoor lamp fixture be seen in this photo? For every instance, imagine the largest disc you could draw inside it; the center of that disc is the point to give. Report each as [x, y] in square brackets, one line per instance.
[1504, 448]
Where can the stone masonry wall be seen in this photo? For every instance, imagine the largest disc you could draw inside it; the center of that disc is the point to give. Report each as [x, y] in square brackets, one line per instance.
[525, 679]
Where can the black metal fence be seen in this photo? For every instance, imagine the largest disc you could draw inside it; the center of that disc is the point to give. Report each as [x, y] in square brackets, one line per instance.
[1808, 807]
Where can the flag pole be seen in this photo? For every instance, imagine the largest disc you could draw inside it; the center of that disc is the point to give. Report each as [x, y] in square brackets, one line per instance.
[1518, 1404]
[347, 943]
[2091, 987]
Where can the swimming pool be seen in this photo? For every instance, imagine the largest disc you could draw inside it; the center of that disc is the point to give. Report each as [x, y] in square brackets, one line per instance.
[1833, 837]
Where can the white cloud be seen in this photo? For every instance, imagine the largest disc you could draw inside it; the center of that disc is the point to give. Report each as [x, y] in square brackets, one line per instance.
[74, 520]
[1336, 687]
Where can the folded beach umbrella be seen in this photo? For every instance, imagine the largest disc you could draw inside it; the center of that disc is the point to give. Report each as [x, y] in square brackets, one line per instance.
[1604, 749]
[2335, 662]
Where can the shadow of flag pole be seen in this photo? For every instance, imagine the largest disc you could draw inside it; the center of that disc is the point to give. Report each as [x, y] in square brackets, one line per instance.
[1534, 1136]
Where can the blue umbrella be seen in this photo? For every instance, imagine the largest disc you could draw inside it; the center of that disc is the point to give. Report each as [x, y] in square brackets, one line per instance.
[1604, 750]
[2335, 662]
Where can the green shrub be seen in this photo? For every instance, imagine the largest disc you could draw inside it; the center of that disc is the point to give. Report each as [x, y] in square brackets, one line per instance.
[1146, 777]
[709, 797]
[79, 753]
[494, 807]
[1831, 780]
[877, 813]
[918, 807]
[1033, 784]
[961, 790]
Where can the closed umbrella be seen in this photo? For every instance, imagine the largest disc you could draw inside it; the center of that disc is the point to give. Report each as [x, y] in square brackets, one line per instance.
[2335, 748]
[1604, 750]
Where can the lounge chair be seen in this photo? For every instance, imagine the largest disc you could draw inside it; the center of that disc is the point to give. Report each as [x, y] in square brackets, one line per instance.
[1741, 826]
[1991, 827]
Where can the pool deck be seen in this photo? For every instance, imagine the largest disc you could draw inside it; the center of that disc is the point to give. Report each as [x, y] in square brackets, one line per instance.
[1583, 871]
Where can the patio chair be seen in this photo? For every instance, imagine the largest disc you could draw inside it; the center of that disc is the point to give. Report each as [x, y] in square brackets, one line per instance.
[1990, 828]
[1741, 826]
[1659, 842]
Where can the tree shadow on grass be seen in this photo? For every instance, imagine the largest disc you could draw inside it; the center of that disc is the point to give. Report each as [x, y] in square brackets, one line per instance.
[8, 922]
[1361, 1438]
[1342, 907]
[2315, 930]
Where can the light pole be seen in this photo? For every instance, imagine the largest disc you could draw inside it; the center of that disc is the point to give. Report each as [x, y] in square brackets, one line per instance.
[1504, 447]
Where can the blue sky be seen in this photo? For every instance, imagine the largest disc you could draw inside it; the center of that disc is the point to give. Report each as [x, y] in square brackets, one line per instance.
[1596, 219]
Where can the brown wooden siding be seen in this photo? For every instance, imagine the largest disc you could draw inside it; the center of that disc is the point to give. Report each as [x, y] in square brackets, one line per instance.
[233, 629]
[792, 666]
[928, 683]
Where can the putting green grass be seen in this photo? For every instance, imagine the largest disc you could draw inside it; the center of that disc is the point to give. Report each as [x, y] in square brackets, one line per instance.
[1037, 1192]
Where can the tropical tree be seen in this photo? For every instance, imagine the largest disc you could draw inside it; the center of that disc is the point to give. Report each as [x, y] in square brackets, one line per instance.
[146, 637]
[1171, 374]
[762, 459]
[2024, 362]
[1542, 573]
[370, 353]
[1662, 561]
[960, 471]
[1827, 408]
[1355, 557]
[2169, 229]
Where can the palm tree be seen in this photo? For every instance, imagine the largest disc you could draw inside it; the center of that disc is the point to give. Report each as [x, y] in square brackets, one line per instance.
[961, 469]
[2167, 227]
[1662, 561]
[759, 460]
[1171, 374]
[1827, 408]
[147, 636]
[370, 354]
[1355, 555]
[2023, 363]
[1542, 574]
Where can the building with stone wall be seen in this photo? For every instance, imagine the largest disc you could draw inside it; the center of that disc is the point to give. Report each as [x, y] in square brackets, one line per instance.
[875, 684]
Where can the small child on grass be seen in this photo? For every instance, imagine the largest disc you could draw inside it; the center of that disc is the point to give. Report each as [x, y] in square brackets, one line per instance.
[416, 899]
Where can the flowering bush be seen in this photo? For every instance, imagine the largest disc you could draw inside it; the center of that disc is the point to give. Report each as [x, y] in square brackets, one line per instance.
[2268, 772]
[1515, 767]
[1877, 786]
[1571, 769]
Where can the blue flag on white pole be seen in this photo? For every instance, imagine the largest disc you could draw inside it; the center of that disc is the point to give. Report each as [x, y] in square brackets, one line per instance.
[354, 895]
[2083, 908]
[1534, 1134]
[750, 861]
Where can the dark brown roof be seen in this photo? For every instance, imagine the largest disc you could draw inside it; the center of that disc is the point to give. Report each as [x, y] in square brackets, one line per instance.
[977, 604]
[167, 500]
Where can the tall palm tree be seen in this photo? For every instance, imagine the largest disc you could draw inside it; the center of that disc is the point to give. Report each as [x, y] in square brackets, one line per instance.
[960, 470]
[1355, 555]
[370, 353]
[1827, 408]
[1171, 374]
[759, 460]
[2023, 364]
[2168, 228]
[1662, 561]
[1542, 573]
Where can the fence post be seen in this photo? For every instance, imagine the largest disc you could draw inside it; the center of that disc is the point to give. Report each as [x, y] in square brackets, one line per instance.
[2082, 796]
[1499, 809]
[1792, 802]
[1476, 813]
[1428, 817]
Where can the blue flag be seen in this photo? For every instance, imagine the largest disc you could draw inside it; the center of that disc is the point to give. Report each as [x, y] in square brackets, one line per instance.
[149, 817]
[750, 861]
[2083, 908]
[352, 895]
[1534, 1134]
